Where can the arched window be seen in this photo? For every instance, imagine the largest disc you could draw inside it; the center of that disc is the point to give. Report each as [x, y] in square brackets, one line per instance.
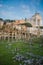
[38, 21]
[34, 20]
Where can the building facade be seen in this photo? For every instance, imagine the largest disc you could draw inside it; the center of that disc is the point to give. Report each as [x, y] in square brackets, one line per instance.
[21, 29]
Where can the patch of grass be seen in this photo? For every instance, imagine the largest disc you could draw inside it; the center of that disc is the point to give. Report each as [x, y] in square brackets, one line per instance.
[17, 47]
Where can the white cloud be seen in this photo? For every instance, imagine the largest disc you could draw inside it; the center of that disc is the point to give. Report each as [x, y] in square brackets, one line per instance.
[9, 7]
[24, 6]
[1, 5]
[26, 10]
[35, 4]
[8, 14]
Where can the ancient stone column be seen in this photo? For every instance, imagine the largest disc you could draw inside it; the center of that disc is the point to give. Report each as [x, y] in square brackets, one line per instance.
[8, 37]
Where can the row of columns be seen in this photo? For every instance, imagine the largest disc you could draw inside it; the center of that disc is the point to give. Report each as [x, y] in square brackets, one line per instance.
[14, 36]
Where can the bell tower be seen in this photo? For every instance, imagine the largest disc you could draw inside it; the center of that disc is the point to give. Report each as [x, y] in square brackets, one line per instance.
[38, 22]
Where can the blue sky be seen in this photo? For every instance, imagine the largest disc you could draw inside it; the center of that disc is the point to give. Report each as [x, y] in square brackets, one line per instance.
[18, 9]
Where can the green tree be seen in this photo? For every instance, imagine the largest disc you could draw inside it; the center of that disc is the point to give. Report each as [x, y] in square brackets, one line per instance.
[1, 19]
